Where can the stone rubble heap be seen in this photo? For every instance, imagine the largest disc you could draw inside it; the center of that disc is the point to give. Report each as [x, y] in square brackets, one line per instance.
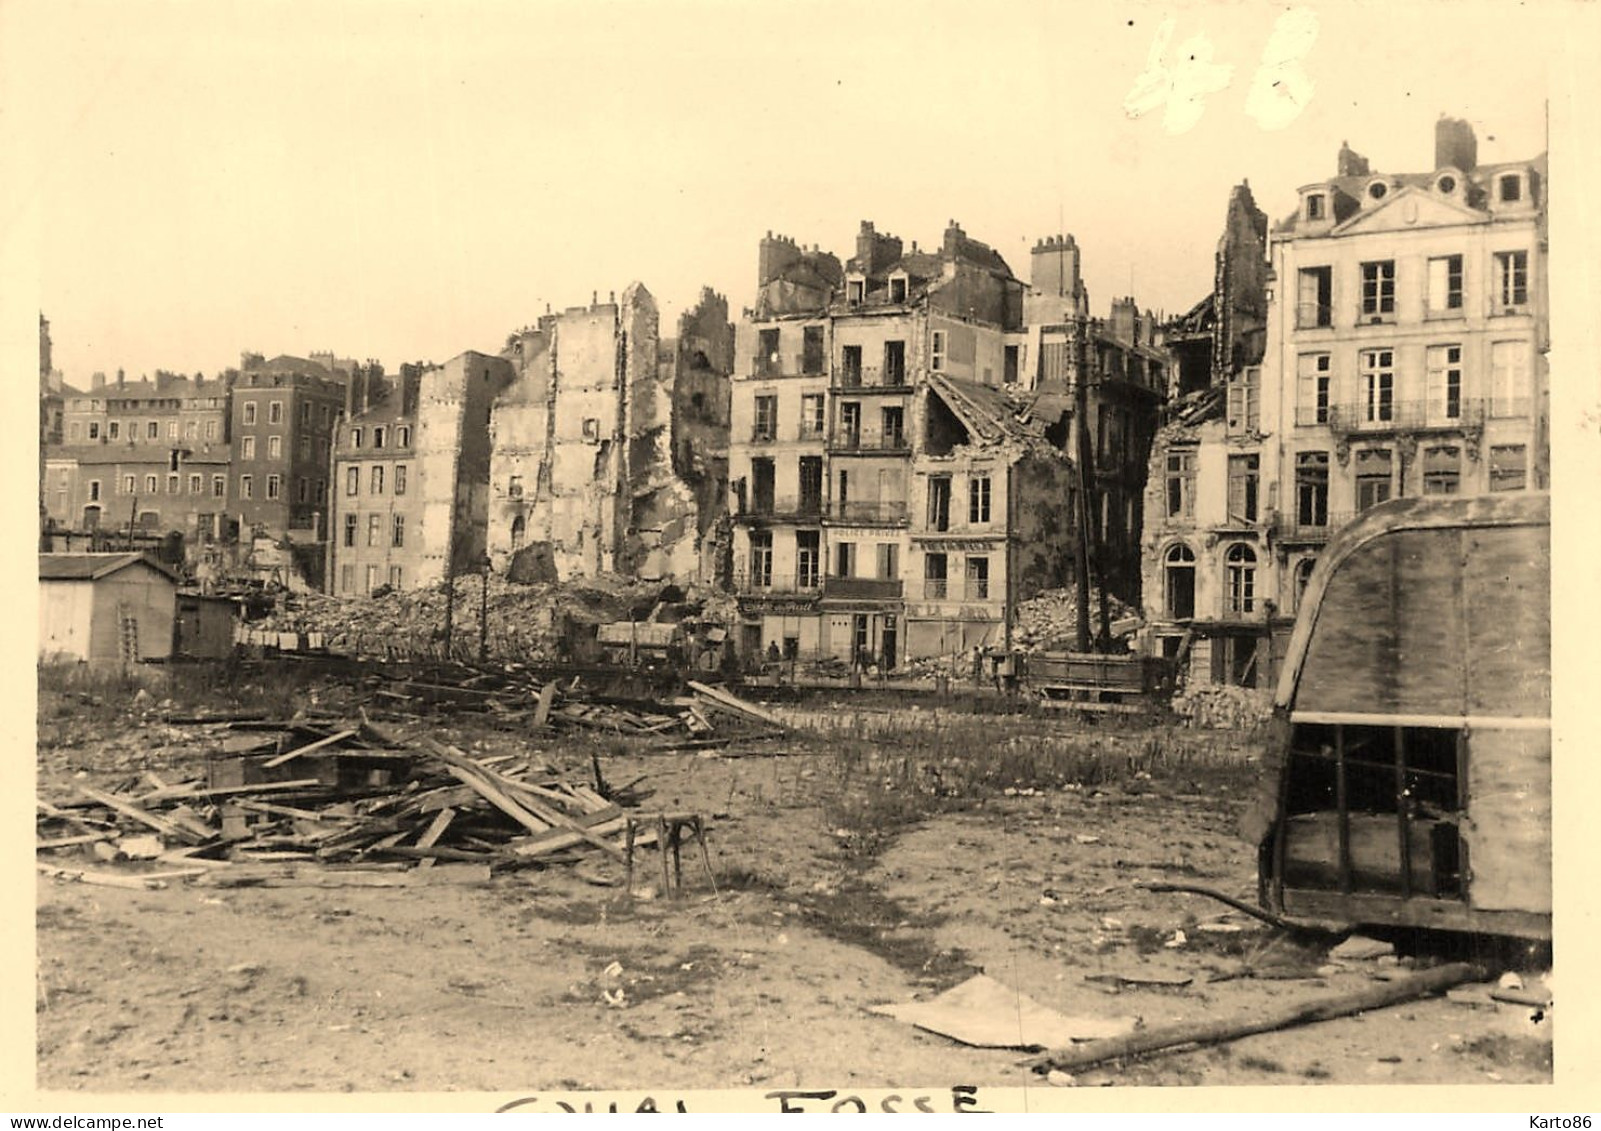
[1048, 621]
[1217, 706]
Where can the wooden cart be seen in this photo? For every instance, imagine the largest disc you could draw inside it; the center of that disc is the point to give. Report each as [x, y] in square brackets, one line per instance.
[1409, 781]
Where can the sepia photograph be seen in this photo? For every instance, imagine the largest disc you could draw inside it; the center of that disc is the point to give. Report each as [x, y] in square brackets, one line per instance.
[801, 557]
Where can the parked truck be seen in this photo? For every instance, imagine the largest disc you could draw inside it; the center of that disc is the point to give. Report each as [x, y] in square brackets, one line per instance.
[1409, 778]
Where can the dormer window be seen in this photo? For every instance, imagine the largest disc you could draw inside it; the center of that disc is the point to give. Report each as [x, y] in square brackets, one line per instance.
[1316, 206]
[897, 289]
[355, 437]
[1445, 184]
[1378, 190]
[377, 437]
[853, 291]
[1509, 188]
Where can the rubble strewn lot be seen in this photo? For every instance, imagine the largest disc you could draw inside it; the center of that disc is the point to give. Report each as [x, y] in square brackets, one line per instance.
[312, 937]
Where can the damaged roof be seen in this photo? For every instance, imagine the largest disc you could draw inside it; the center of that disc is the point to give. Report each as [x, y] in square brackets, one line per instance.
[989, 415]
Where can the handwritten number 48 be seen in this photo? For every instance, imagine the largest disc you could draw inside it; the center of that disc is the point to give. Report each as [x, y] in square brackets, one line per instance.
[1178, 82]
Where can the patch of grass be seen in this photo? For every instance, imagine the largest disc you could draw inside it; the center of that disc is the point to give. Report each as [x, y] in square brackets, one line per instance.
[1260, 1064]
[859, 914]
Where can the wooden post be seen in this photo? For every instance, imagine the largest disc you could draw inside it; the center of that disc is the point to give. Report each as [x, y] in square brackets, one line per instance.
[1403, 817]
[1342, 808]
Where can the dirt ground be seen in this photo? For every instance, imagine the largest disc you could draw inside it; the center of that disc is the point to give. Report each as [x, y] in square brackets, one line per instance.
[832, 896]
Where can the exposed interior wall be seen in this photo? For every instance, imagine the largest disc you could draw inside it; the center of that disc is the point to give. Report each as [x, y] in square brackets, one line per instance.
[1045, 528]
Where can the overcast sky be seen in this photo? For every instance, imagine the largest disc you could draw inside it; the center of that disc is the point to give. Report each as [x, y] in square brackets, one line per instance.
[408, 180]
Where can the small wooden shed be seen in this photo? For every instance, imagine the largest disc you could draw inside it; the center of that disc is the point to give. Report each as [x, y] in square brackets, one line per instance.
[207, 626]
[105, 609]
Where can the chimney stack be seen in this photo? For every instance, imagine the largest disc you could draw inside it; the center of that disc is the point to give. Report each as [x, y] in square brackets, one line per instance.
[1455, 144]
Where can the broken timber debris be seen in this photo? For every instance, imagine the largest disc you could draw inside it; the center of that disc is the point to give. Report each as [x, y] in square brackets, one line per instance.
[1171, 1037]
[342, 796]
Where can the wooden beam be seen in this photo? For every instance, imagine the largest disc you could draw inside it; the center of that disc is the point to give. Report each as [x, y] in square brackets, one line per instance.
[338, 736]
[1169, 1037]
[735, 703]
[164, 827]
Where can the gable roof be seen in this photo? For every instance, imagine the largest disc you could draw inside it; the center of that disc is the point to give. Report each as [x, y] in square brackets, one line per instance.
[92, 567]
[1384, 216]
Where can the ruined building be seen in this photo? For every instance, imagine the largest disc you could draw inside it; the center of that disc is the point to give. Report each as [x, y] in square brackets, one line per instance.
[891, 496]
[1405, 347]
[376, 518]
[602, 455]
[1205, 511]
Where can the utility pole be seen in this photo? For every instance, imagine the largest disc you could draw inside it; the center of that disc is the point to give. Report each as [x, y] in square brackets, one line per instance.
[1081, 458]
[483, 613]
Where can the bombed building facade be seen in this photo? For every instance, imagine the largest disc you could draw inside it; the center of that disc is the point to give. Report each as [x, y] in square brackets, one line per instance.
[1404, 355]
[898, 471]
[599, 458]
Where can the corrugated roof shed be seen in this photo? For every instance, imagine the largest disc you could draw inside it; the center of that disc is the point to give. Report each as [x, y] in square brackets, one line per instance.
[92, 567]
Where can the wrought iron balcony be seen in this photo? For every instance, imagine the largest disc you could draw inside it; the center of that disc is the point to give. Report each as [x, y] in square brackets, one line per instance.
[1394, 416]
[1289, 528]
[782, 508]
[864, 588]
[868, 511]
[893, 442]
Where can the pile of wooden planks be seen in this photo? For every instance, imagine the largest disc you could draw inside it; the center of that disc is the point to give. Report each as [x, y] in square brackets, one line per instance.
[352, 796]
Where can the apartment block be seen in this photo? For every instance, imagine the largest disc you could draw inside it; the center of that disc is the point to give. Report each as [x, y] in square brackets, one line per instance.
[376, 506]
[863, 394]
[282, 424]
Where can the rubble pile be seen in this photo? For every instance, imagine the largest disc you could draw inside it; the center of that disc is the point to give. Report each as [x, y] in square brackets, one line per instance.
[1048, 621]
[329, 793]
[1222, 706]
[533, 623]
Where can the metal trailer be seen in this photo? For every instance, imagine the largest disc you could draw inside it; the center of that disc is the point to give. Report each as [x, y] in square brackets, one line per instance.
[1409, 777]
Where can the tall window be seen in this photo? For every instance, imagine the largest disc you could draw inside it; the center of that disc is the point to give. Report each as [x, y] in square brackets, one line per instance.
[377, 485]
[403, 436]
[153, 430]
[845, 559]
[355, 437]
[275, 447]
[978, 578]
[768, 363]
[1313, 387]
[250, 412]
[1442, 470]
[888, 561]
[350, 530]
[1378, 288]
[400, 479]
[1245, 399]
[893, 421]
[1509, 467]
[808, 558]
[113, 429]
[1314, 298]
[894, 363]
[1445, 382]
[211, 430]
[761, 559]
[194, 484]
[352, 480]
[1244, 473]
[375, 526]
[219, 486]
[936, 360]
[809, 475]
[812, 349]
[1509, 378]
[766, 427]
[939, 502]
[811, 416]
[1240, 566]
[1178, 577]
[394, 577]
[246, 487]
[1180, 484]
[275, 412]
[1378, 385]
[1445, 285]
[94, 490]
[934, 576]
[378, 437]
[1374, 479]
[274, 486]
[397, 536]
[850, 368]
[978, 500]
[1511, 279]
[850, 424]
[1303, 575]
[150, 484]
[247, 448]
[191, 429]
[1312, 489]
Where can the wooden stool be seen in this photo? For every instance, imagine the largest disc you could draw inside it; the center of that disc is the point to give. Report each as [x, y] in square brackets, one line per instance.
[670, 829]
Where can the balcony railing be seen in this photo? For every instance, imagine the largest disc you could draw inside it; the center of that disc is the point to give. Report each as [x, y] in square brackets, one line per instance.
[1288, 528]
[949, 589]
[857, 442]
[867, 510]
[870, 377]
[864, 588]
[773, 365]
[795, 507]
[753, 583]
[1393, 416]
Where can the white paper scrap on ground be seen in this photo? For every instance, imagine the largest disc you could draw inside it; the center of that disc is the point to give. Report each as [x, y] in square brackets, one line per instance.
[985, 1014]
